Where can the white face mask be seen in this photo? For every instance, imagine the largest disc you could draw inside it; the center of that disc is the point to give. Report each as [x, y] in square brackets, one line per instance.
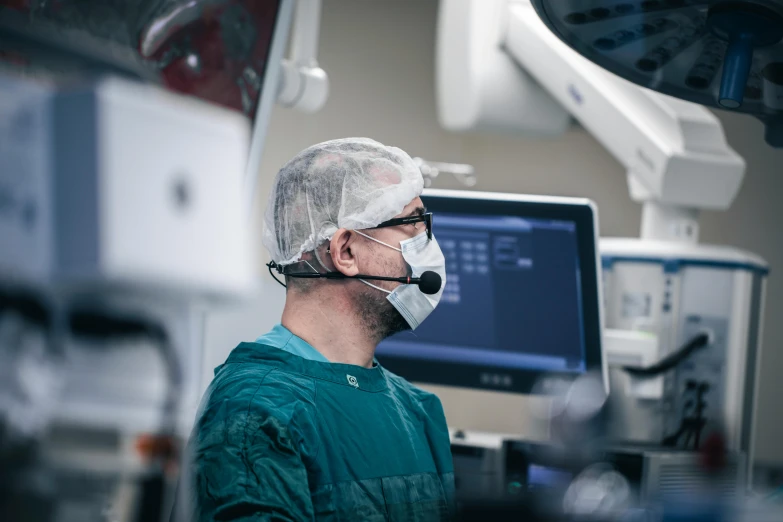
[422, 255]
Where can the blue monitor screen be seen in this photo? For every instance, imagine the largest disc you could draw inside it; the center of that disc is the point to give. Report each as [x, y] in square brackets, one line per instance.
[545, 477]
[512, 299]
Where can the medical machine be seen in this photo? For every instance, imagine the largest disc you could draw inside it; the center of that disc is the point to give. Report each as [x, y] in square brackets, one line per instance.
[682, 319]
[653, 474]
[521, 305]
[130, 139]
[726, 54]
[479, 465]
[503, 468]
[703, 305]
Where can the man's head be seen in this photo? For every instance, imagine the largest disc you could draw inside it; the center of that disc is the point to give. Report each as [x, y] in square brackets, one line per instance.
[322, 214]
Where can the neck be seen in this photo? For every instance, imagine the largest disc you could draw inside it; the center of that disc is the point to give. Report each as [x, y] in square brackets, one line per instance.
[330, 324]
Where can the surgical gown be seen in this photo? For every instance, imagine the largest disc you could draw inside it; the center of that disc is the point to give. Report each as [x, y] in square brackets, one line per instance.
[280, 437]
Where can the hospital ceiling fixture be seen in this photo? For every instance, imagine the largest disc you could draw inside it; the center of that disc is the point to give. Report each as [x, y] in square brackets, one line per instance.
[465, 174]
[723, 54]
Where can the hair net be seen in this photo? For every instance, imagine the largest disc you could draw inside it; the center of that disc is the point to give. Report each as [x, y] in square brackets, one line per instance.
[352, 183]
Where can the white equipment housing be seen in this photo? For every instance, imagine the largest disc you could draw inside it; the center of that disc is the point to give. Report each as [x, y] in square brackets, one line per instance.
[133, 201]
[493, 59]
[667, 293]
[130, 197]
[112, 186]
[127, 199]
[482, 88]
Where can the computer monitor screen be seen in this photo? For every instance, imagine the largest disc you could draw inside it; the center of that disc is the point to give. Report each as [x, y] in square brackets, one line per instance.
[521, 294]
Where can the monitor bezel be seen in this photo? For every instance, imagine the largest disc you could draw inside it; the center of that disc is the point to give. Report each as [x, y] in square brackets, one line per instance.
[584, 214]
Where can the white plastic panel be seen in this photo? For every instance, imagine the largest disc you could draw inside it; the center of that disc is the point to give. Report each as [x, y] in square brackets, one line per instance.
[172, 206]
[629, 247]
[628, 348]
[675, 151]
[479, 86]
[634, 297]
[147, 195]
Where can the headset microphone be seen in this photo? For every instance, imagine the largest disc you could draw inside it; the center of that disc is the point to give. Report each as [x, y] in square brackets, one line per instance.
[429, 282]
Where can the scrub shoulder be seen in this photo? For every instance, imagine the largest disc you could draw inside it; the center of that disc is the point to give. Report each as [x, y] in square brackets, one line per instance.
[251, 441]
[256, 379]
[245, 391]
[429, 403]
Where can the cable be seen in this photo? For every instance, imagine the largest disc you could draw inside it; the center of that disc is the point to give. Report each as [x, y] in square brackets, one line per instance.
[429, 282]
[672, 360]
[270, 266]
[691, 426]
[29, 306]
[103, 326]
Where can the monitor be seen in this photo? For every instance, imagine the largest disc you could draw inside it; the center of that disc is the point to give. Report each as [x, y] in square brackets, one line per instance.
[521, 299]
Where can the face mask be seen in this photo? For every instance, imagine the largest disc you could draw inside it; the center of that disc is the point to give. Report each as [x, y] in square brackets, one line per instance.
[421, 254]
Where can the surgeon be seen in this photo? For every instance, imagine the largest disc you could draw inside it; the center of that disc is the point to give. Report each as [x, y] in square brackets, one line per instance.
[303, 423]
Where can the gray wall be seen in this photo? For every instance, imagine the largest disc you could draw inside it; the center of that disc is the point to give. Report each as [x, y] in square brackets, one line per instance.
[380, 58]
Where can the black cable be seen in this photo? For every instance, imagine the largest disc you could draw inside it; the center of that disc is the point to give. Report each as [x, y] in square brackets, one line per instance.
[672, 360]
[429, 282]
[690, 426]
[99, 325]
[671, 441]
[103, 326]
[270, 266]
[339, 275]
[29, 306]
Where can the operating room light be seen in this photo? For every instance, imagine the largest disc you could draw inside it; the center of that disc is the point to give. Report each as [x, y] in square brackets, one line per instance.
[723, 54]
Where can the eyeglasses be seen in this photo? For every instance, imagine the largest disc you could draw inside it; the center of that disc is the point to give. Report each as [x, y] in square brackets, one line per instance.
[425, 218]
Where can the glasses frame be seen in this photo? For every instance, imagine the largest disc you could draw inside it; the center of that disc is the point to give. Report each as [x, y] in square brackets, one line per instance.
[425, 218]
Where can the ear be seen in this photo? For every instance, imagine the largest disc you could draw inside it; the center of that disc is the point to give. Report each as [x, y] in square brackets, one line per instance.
[342, 257]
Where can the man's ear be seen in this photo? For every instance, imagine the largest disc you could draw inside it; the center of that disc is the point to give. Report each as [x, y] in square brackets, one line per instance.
[342, 257]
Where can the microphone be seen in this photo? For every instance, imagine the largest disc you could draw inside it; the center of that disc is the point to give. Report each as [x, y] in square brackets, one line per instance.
[429, 282]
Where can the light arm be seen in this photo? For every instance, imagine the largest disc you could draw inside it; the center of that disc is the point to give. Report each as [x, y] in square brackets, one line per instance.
[303, 84]
[675, 152]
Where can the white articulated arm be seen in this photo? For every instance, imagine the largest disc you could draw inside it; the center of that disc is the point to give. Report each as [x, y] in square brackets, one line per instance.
[675, 152]
[480, 87]
[303, 84]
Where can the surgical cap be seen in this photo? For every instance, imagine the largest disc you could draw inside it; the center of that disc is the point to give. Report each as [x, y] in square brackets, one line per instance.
[353, 183]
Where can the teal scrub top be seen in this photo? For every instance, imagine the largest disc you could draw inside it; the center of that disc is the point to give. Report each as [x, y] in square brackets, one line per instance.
[282, 338]
[286, 438]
